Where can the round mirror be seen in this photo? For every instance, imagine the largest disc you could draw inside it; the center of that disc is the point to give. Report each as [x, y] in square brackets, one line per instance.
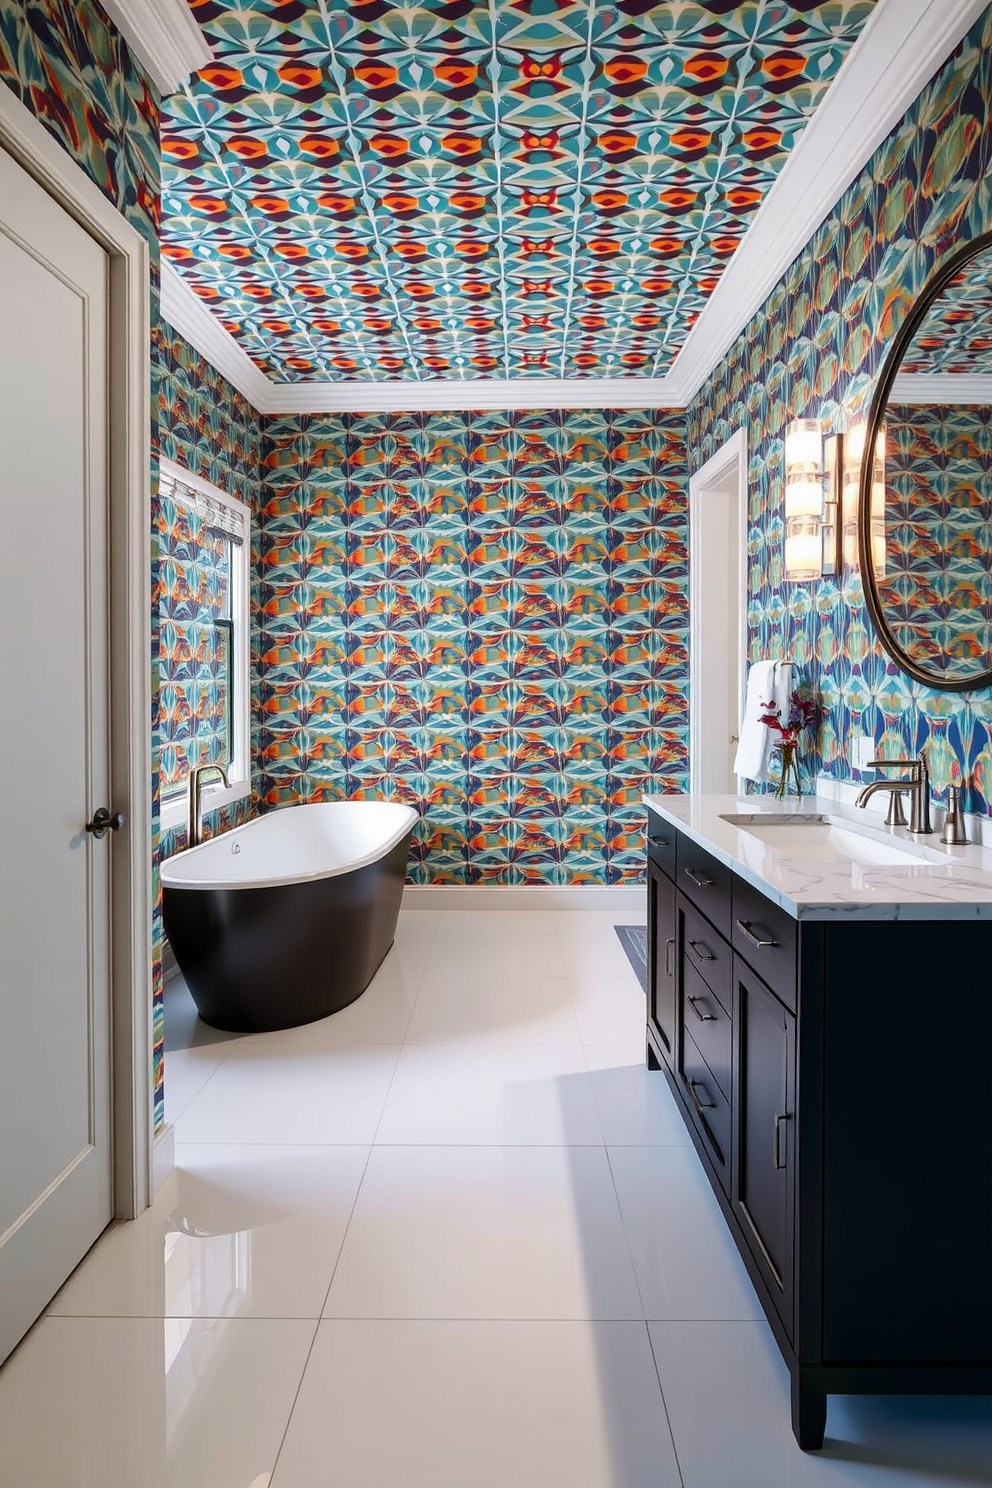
[925, 501]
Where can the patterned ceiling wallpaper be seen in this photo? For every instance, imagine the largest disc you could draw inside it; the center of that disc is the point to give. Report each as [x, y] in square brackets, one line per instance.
[537, 188]
[956, 335]
[483, 614]
[814, 349]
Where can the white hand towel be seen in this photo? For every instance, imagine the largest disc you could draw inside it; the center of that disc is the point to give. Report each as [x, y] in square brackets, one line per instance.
[768, 682]
[754, 745]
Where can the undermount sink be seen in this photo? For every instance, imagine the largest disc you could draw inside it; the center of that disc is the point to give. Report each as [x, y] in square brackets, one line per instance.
[816, 838]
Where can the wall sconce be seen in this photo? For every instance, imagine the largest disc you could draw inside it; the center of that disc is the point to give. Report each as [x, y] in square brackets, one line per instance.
[813, 471]
[854, 453]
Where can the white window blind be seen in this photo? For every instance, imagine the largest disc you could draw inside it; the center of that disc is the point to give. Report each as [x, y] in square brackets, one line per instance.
[219, 515]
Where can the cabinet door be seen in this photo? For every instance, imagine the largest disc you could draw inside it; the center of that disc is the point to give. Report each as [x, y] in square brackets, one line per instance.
[764, 1177]
[662, 959]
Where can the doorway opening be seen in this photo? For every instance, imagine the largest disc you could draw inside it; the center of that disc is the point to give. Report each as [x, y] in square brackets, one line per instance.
[717, 615]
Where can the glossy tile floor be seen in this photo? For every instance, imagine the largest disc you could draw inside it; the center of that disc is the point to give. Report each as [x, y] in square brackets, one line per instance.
[453, 1237]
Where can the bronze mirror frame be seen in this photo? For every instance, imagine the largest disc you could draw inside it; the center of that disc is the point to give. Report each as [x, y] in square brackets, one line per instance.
[876, 416]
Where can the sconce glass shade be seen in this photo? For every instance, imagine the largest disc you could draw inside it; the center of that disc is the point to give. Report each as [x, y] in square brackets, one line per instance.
[803, 499]
[854, 455]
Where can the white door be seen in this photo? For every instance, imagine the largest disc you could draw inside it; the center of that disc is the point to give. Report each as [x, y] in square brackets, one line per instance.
[717, 527]
[55, 1133]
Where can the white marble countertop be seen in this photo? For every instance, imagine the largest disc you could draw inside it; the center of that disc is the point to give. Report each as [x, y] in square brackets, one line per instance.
[946, 883]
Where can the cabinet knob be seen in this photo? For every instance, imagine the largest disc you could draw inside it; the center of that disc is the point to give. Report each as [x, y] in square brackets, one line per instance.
[703, 1017]
[697, 879]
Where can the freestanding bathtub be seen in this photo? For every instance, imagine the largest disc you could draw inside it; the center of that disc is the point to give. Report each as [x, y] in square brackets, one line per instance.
[287, 918]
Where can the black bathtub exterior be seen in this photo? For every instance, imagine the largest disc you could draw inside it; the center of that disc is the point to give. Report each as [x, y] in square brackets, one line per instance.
[259, 959]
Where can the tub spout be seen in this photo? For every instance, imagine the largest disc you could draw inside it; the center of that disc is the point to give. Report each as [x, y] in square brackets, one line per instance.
[194, 800]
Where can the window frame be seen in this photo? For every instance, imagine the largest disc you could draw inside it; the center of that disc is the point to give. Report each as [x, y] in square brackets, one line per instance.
[172, 813]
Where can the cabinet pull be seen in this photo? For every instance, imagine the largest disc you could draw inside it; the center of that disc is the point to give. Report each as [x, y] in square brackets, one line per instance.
[658, 841]
[780, 1121]
[745, 925]
[701, 883]
[669, 946]
[703, 1017]
[704, 1105]
[700, 955]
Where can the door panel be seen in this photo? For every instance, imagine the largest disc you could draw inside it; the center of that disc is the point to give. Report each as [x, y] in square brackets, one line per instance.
[55, 1155]
[765, 1136]
[662, 958]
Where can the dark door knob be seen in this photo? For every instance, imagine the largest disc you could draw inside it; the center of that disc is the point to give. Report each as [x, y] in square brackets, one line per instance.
[104, 822]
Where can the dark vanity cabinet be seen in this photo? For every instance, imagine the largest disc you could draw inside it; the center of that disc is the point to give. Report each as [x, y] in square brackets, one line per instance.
[798, 1052]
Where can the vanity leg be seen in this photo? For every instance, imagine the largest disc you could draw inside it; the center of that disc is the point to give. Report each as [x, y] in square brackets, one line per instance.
[809, 1413]
[653, 1062]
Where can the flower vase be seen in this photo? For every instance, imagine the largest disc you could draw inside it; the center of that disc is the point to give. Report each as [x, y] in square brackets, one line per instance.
[790, 766]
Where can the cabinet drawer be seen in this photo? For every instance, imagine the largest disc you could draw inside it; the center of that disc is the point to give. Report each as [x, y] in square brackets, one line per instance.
[765, 937]
[708, 1106]
[661, 843]
[708, 954]
[708, 1025]
[706, 882]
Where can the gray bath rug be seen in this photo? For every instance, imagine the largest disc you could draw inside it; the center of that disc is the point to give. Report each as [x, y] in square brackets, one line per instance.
[634, 939]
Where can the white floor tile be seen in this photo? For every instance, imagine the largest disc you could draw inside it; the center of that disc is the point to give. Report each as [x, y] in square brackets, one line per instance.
[189, 1071]
[527, 954]
[485, 1232]
[379, 1016]
[495, 1006]
[148, 1403]
[536, 1095]
[296, 1096]
[478, 1405]
[599, 955]
[237, 1229]
[727, 1392]
[686, 1263]
[635, 1105]
[610, 1009]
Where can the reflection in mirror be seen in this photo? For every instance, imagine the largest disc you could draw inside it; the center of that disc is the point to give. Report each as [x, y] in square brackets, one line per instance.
[930, 504]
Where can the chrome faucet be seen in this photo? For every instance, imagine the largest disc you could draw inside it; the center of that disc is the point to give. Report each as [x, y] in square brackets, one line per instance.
[918, 786]
[194, 800]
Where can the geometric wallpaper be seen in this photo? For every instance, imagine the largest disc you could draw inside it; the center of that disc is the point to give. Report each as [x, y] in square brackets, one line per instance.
[486, 615]
[814, 350]
[472, 190]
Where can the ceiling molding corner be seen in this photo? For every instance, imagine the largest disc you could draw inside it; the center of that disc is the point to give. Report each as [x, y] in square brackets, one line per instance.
[190, 317]
[902, 46]
[164, 36]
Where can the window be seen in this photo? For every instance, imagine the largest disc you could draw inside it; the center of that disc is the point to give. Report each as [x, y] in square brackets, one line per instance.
[203, 596]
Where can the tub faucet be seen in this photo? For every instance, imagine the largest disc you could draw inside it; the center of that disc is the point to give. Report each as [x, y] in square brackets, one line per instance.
[918, 785]
[194, 800]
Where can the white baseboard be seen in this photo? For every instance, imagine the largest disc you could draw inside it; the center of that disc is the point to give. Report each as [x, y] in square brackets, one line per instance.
[618, 899]
[163, 1156]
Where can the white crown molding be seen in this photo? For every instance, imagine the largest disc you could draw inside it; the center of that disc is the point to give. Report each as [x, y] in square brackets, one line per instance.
[903, 44]
[941, 387]
[164, 36]
[484, 393]
[188, 315]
